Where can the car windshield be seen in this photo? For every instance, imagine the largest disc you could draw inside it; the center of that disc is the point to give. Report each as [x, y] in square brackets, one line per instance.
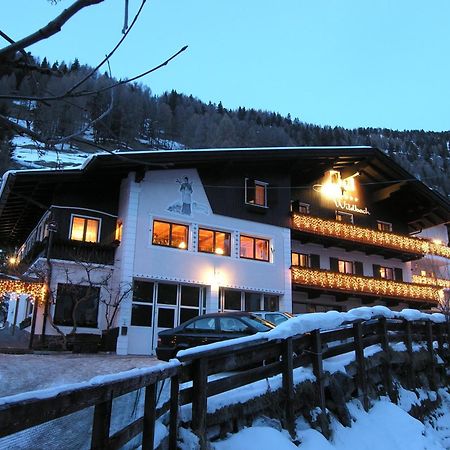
[256, 322]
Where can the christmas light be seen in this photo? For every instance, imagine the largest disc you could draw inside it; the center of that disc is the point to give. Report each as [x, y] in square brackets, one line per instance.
[354, 233]
[35, 290]
[354, 284]
[422, 279]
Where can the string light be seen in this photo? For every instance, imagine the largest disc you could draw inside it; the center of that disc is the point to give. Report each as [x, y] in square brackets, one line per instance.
[431, 281]
[365, 285]
[35, 290]
[364, 235]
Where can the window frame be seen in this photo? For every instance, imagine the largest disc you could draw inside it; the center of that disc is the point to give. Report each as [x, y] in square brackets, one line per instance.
[386, 270]
[170, 234]
[345, 261]
[344, 214]
[307, 206]
[214, 241]
[298, 254]
[382, 223]
[254, 238]
[86, 218]
[96, 291]
[255, 182]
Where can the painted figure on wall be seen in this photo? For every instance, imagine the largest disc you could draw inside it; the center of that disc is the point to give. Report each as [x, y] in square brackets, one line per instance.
[186, 195]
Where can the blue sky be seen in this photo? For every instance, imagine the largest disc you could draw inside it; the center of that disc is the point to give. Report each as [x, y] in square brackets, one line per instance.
[352, 63]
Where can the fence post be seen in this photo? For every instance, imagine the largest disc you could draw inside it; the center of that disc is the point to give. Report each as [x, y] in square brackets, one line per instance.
[384, 339]
[173, 420]
[148, 431]
[101, 424]
[359, 354]
[199, 399]
[288, 384]
[316, 344]
[409, 350]
[440, 338]
[429, 334]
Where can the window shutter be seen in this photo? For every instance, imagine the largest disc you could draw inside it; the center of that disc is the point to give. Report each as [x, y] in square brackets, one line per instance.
[250, 190]
[376, 271]
[314, 261]
[359, 268]
[398, 274]
[334, 265]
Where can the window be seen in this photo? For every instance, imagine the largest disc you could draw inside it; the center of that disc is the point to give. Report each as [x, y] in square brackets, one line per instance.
[345, 267]
[384, 226]
[344, 217]
[254, 248]
[235, 300]
[255, 192]
[210, 241]
[119, 228]
[387, 273]
[84, 229]
[299, 260]
[142, 306]
[207, 324]
[84, 298]
[303, 208]
[170, 234]
[232, 325]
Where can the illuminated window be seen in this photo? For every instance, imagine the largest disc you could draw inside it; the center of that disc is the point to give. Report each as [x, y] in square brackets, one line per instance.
[170, 234]
[84, 229]
[387, 273]
[344, 217]
[384, 226]
[255, 192]
[254, 248]
[345, 267]
[118, 234]
[299, 260]
[211, 241]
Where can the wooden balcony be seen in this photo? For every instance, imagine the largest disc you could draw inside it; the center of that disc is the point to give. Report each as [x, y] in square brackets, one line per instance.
[431, 281]
[70, 250]
[352, 237]
[355, 285]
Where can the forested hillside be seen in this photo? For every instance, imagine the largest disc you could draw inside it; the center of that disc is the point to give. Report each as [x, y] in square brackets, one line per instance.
[136, 119]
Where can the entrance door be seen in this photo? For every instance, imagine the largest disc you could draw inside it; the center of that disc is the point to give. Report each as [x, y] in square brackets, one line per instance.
[166, 311]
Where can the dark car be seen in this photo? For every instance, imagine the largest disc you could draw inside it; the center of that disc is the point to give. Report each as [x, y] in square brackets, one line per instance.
[207, 329]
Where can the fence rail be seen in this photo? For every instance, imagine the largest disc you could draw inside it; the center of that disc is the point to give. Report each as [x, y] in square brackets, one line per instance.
[191, 381]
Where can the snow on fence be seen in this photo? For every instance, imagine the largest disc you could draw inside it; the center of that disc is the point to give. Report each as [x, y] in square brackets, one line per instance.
[201, 373]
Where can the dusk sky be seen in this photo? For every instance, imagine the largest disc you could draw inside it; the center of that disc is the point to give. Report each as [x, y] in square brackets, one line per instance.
[329, 62]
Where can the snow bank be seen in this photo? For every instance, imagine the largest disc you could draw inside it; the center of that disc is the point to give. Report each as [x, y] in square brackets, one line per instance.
[385, 427]
[329, 320]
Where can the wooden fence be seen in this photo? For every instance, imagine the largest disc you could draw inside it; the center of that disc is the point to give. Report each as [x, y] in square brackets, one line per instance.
[248, 362]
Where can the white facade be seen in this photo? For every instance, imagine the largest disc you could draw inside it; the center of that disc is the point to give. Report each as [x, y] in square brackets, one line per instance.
[158, 197]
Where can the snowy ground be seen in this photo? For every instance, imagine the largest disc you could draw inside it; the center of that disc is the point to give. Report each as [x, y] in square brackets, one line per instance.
[21, 373]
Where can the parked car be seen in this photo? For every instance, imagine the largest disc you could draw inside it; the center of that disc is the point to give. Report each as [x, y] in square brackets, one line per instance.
[207, 329]
[274, 317]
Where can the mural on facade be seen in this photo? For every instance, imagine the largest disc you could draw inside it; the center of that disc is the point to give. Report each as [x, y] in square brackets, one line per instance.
[186, 205]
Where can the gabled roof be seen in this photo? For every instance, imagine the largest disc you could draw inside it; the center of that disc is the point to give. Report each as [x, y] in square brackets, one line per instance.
[25, 194]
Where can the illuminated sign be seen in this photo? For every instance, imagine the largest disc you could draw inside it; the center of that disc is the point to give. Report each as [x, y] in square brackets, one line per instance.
[342, 191]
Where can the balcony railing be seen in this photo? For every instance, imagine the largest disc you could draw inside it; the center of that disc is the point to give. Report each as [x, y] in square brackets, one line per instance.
[353, 284]
[367, 236]
[440, 282]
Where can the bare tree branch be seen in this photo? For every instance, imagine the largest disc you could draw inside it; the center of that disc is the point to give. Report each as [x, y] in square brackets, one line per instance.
[50, 29]
[83, 80]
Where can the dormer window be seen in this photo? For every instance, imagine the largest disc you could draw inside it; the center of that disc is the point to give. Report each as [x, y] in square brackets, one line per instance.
[256, 193]
[85, 229]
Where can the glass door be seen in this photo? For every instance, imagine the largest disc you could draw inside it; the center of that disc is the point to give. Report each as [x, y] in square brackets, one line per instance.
[166, 311]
